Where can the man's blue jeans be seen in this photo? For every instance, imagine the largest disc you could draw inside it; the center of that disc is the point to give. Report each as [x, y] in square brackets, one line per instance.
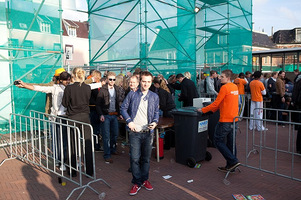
[140, 148]
[223, 140]
[109, 132]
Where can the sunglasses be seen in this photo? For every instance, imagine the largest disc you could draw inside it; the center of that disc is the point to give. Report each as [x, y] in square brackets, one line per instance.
[112, 79]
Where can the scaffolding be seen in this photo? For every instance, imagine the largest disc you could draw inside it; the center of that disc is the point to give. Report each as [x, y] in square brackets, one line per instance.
[224, 35]
[30, 49]
[163, 36]
[155, 35]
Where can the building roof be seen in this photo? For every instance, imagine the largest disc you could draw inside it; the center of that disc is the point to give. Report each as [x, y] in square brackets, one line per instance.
[22, 20]
[289, 50]
[262, 40]
[82, 28]
[286, 37]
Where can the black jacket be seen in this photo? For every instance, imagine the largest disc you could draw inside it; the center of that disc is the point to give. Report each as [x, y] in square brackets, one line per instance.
[103, 100]
[188, 92]
[76, 98]
[271, 86]
[165, 99]
[296, 96]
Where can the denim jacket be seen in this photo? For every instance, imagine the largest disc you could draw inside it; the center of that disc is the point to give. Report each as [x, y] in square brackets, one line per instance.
[131, 103]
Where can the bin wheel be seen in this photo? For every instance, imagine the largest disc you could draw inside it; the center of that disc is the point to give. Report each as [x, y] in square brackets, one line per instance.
[208, 156]
[191, 162]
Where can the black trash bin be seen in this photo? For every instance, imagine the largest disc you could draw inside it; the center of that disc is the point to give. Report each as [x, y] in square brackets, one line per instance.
[191, 132]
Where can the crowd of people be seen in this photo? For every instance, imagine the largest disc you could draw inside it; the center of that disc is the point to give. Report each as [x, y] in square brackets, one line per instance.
[139, 99]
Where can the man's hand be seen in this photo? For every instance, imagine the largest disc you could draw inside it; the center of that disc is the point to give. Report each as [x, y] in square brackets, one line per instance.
[283, 100]
[200, 110]
[132, 126]
[153, 125]
[102, 118]
[120, 117]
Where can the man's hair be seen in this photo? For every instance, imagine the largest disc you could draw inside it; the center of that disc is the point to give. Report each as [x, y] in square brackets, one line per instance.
[179, 76]
[247, 73]
[132, 77]
[241, 74]
[103, 79]
[296, 70]
[64, 76]
[228, 73]
[111, 74]
[257, 74]
[157, 80]
[96, 72]
[138, 70]
[212, 72]
[145, 73]
[136, 73]
[274, 73]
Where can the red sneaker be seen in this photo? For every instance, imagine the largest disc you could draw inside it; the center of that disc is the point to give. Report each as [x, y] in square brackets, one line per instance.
[146, 184]
[134, 190]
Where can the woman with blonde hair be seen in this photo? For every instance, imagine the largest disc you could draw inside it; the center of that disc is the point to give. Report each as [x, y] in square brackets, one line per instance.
[163, 83]
[76, 100]
[187, 75]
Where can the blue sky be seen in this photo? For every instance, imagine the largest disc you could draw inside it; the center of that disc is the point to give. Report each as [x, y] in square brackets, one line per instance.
[281, 14]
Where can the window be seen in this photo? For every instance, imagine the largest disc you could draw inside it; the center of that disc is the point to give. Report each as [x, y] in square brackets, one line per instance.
[28, 44]
[22, 25]
[56, 47]
[72, 31]
[221, 39]
[298, 35]
[45, 27]
[69, 52]
[169, 57]
[13, 43]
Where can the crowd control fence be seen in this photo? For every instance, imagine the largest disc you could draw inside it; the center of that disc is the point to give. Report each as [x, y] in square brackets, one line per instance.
[272, 150]
[57, 145]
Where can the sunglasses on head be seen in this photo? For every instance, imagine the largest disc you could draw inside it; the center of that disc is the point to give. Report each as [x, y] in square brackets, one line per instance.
[112, 79]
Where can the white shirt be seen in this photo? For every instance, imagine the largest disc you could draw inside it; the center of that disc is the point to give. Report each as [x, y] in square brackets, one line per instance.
[57, 91]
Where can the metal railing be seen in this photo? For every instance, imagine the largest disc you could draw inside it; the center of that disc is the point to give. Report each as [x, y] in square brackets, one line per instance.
[53, 146]
[275, 145]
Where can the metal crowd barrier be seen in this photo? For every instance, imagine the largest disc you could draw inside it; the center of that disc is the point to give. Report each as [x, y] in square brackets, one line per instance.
[33, 140]
[276, 145]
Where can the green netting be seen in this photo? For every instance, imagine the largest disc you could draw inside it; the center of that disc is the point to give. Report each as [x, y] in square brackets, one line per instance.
[224, 35]
[31, 52]
[162, 36]
[154, 35]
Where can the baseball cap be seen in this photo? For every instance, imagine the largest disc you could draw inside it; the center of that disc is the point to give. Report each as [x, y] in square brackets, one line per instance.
[59, 71]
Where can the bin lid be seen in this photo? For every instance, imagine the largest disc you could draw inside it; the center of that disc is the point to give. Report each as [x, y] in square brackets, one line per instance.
[191, 111]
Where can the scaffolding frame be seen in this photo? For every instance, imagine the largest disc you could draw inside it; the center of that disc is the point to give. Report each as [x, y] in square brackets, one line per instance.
[23, 59]
[231, 20]
[148, 16]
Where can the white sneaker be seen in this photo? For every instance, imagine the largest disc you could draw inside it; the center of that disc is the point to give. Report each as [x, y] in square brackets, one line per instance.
[63, 168]
[264, 129]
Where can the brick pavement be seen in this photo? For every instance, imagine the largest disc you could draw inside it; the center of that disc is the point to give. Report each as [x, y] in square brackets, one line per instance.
[22, 181]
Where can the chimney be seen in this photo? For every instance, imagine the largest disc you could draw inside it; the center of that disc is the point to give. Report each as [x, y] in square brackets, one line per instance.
[272, 31]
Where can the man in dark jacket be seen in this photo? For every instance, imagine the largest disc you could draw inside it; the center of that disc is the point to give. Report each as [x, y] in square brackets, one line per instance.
[188, 90]
[296, 99]
[108, 108]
